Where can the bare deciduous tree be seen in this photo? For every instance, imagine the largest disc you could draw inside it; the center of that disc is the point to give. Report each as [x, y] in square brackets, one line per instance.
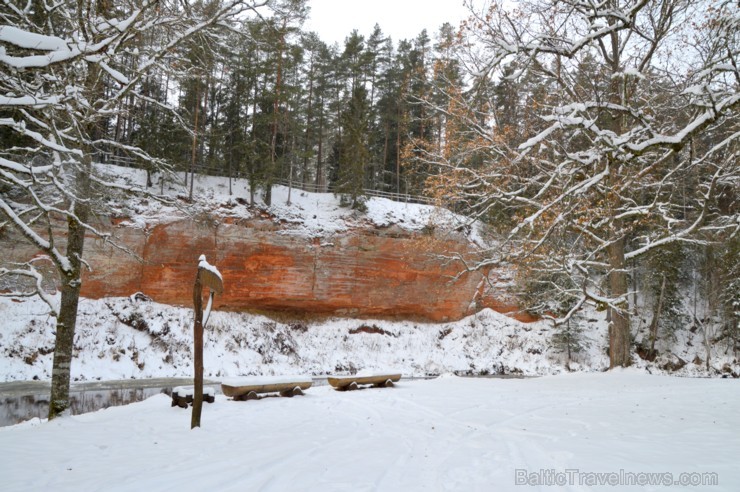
[64, 72]
[638, 137]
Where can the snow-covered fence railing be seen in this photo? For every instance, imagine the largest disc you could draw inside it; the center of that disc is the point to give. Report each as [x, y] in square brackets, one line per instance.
[117, 160]
[215, 171]
[396, 197]
[133, 162]
[400, 197]
[125, 161]
[308, 187]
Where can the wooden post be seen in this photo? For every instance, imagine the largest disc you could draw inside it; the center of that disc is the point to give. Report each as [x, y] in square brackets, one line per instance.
[198, 353]
[206, 277]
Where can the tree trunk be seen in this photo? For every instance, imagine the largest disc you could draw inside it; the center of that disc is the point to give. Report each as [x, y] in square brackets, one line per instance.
[276, 120]
[71, 275]
[320, 150]
[619, 327]
[309, 121]
[252, 170]
[656, 317]
[398, 153]
[194, 148]
[568, 344]
[707, 343]
[385, 154]
[64, 347]
[67, 319]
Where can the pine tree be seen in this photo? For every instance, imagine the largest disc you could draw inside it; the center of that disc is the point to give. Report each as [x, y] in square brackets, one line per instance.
[289, 15]
[354, 153]
[569, 338]
[378, 55]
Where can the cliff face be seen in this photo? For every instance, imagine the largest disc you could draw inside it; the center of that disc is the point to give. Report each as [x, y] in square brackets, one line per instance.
[366, 272]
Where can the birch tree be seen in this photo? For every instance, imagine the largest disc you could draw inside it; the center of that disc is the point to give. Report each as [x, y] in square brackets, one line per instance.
[63, 76]
[639, 139]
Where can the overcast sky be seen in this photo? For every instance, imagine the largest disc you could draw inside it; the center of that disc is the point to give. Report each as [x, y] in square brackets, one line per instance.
[334, 20]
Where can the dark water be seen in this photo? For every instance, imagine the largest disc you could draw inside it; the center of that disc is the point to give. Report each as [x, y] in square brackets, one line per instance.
[25, 400]
[21, 401]
[14, 410]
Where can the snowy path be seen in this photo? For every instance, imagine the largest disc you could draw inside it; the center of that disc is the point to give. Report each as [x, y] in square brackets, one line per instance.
[453, 434]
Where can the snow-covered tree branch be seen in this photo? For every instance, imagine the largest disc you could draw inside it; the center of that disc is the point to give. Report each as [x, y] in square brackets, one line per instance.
[610, 132]
[69, 73]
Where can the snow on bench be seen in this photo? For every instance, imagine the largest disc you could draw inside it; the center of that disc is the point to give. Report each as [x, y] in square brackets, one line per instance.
[377, 380]
[249, 387]
[182, 396]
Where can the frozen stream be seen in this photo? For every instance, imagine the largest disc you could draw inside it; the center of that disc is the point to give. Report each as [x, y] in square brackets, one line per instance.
[24, 400]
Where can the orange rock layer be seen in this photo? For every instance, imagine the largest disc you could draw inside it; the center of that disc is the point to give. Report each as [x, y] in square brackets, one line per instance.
[363, 273]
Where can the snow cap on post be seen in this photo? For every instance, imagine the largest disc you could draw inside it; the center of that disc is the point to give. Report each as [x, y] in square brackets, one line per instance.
[210, 276]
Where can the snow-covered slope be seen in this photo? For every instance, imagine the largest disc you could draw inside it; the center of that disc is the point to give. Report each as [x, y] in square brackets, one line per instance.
[125, 338]
[299, 212]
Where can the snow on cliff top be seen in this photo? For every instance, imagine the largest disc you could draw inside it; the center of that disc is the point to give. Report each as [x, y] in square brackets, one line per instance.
[307, 214]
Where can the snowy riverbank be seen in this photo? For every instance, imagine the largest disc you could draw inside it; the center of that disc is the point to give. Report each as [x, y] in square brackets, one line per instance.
[447, 434]
[124, 338]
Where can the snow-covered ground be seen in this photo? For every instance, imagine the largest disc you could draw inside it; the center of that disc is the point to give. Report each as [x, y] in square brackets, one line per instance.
[557, 433]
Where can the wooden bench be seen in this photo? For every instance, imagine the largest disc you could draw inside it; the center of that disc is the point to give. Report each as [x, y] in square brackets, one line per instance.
[182, 396]
[350, 383]
[253, 387]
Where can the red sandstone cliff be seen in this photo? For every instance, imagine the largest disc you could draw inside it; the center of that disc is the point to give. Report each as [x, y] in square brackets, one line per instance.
[366, 272]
